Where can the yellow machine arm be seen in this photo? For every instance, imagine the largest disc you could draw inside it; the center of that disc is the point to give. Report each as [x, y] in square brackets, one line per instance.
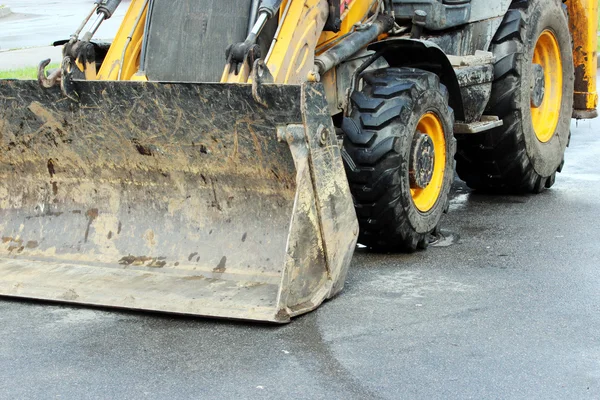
[584, 30]
[290, 59]
[300, 37]
[123, 58]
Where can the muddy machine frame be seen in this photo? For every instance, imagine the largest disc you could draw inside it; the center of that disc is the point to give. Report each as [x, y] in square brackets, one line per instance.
[223, 169]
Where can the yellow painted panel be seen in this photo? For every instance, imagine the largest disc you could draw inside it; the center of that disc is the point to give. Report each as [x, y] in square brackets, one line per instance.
[131, 59]
[292, 54]
[583, 17]
[355, 12]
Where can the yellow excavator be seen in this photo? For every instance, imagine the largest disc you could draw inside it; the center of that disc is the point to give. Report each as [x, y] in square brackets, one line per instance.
[223, 157]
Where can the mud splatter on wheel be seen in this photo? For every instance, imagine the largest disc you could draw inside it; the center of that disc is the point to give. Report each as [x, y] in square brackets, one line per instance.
[533, 95]
[399, 156]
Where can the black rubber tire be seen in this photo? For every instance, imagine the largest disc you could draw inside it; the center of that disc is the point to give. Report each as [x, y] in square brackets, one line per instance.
[377, 142]
[511, 158]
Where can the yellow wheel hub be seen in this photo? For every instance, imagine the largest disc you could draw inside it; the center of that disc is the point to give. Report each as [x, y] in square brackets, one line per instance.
[424, 199]
[545, 115]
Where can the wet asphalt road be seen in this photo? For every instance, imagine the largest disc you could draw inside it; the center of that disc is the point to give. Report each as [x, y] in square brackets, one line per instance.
[39, 23]
[510, 311]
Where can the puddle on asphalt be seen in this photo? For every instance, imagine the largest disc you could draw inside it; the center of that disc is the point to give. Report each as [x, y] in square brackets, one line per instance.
[444, 238]
[582, 177]
[459, 201]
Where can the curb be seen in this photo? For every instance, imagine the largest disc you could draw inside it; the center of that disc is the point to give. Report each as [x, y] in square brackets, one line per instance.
[5, 12]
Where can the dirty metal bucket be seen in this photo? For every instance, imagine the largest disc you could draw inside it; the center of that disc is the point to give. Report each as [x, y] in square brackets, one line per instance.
[173, 197]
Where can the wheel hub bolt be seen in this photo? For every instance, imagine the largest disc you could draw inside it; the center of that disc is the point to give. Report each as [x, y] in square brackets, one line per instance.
[422, 161]
[538, 86]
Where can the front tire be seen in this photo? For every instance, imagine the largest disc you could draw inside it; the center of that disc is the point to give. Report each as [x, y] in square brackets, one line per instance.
[533, 94]
[399, 157]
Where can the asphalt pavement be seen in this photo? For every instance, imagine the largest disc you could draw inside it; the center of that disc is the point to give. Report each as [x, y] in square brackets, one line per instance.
[27, 33]
[35, 23]
[507, 308]
[29, 57]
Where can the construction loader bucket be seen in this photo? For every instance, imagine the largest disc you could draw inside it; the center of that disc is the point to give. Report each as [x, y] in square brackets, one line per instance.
[173, 197]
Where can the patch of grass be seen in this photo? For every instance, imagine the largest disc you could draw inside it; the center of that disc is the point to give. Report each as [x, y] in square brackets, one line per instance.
[24, 73]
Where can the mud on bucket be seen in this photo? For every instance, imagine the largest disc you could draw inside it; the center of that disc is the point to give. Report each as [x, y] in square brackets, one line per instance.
[174, 197]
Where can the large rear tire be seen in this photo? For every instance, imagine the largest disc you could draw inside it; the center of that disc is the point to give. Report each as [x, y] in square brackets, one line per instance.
[399, 157]
[533, 95]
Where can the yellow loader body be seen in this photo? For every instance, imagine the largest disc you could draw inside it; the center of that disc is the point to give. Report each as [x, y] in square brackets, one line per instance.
[140, 183]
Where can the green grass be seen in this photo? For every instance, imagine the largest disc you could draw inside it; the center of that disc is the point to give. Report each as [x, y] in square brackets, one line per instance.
[24, 73]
